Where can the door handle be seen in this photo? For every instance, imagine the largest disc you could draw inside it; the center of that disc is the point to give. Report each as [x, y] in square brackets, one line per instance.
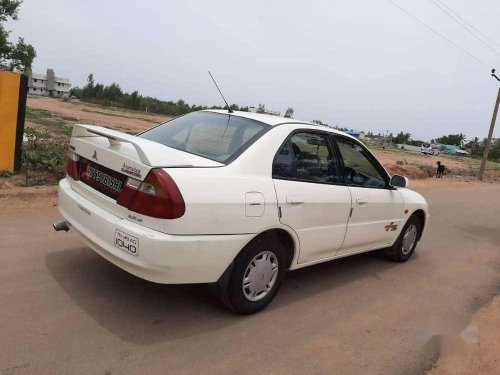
[294, 199]
[361, 200]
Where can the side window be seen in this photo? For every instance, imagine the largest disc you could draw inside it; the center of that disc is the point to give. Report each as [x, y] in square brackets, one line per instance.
[307, 157]
[359, 169]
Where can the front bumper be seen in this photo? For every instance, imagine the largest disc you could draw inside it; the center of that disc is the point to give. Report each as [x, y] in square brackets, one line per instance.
[162, 258]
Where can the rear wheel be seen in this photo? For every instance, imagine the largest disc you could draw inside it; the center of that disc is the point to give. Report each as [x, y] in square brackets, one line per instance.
[405, 245]
[256, 276]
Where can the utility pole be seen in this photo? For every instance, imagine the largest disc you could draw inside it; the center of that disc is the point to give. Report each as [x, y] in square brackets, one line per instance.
[490, 134]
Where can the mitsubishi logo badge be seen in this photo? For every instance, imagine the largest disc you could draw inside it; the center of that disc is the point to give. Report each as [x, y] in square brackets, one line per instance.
[95, 155]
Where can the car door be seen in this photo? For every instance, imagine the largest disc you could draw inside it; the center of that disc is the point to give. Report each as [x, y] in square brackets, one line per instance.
[306, 175]
[377, 208]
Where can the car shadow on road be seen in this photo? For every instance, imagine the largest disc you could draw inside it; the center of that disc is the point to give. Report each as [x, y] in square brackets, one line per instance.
[144, 313]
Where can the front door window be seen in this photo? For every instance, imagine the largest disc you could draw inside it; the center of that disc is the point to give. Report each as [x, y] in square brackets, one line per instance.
[359, 169]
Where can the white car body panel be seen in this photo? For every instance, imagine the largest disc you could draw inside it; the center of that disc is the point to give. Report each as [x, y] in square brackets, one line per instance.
[162, 258]
[226, 207]
[373, 209]
[318, 213]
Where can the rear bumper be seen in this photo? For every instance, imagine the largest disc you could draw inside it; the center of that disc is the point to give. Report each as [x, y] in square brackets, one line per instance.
[162, 258]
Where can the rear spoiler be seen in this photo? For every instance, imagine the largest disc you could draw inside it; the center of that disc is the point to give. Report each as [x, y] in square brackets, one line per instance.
[115, 138]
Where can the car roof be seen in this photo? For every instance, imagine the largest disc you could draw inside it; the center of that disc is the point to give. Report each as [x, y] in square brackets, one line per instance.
[275, 120]
[266, 119]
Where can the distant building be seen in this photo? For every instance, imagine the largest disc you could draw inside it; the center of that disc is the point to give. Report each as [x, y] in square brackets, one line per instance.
[406, 147]
[48, 84]
[378, 140]
[355, 133]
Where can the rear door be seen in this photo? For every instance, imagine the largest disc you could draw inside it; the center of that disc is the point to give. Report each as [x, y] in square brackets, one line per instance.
[377, 209]
[306, 175]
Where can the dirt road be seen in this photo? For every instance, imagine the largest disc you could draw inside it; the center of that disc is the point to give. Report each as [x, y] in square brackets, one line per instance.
[66, 310]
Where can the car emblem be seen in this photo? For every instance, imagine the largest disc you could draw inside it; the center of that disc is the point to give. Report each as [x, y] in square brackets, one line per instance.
[95, 155]
[391, 227]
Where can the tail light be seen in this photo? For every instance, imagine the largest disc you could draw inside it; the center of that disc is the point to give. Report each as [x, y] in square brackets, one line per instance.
[73, 165]
[157, 196]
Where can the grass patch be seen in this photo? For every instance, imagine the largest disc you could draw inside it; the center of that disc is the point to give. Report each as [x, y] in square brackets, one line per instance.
[50, 121]
[37, 113]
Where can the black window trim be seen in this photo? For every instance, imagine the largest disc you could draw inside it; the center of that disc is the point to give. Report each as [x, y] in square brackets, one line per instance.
[331, 147]
[332, 143]
[371, 158]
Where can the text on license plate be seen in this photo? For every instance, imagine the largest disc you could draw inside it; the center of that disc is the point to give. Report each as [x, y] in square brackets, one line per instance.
[104, 179]
[126, 242]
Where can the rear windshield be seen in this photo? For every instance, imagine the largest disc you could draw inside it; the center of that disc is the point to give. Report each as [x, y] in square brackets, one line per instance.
[215, 136]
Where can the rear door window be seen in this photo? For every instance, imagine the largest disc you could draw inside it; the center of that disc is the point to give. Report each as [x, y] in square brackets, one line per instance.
[307, 156]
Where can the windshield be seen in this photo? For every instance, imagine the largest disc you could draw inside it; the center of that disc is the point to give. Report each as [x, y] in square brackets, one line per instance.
[215, 136]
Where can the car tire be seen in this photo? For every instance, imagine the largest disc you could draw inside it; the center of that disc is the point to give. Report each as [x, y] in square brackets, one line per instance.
[407, 241]
[256, 276]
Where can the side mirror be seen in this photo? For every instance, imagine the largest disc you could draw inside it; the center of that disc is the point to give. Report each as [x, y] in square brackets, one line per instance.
[399, 181]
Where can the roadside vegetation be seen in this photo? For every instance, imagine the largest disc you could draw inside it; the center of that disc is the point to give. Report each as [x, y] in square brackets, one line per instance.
[113, 95]
[13, 56]
[44, 154]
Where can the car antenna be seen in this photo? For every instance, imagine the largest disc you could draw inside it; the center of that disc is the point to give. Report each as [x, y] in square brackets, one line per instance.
[220, 92]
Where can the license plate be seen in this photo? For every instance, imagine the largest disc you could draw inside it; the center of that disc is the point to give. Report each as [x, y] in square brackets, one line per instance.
[102, 179]
[126, 242]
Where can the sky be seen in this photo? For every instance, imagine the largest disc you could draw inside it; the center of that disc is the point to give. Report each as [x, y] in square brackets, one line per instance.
[360, 64]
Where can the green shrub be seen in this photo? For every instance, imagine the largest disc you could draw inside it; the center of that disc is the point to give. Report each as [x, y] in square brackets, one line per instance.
[41, 152]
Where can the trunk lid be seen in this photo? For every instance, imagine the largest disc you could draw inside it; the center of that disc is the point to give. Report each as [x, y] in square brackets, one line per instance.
[109, 157]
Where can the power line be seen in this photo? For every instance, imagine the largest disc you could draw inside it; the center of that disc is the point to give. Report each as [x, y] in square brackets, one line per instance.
[465, 27]
[467, 23]
[439, 34]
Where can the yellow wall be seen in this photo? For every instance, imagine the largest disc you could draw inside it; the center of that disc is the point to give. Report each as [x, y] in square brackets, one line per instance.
[9, 99]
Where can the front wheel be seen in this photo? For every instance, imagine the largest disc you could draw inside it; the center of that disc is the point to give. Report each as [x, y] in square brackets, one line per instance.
[405, 245]
[256, 276]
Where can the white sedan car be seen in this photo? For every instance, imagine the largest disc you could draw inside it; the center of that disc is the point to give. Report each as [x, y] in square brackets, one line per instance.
[234, 199]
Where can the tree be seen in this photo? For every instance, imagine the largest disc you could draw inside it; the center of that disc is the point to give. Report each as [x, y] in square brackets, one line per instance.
[402, 138]
[88, 90]
[452, 139]
[261, 108]
[133, 101]
[289, 112]
[13, 56]
[112, 92]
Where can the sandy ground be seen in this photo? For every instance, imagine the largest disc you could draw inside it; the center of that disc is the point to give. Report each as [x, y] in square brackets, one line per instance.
[417, 166]
[480, 359]
[86, 113]
[67, 310]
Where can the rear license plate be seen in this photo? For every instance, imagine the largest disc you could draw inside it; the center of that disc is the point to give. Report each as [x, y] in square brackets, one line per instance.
[104, 180]
[126, 242]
